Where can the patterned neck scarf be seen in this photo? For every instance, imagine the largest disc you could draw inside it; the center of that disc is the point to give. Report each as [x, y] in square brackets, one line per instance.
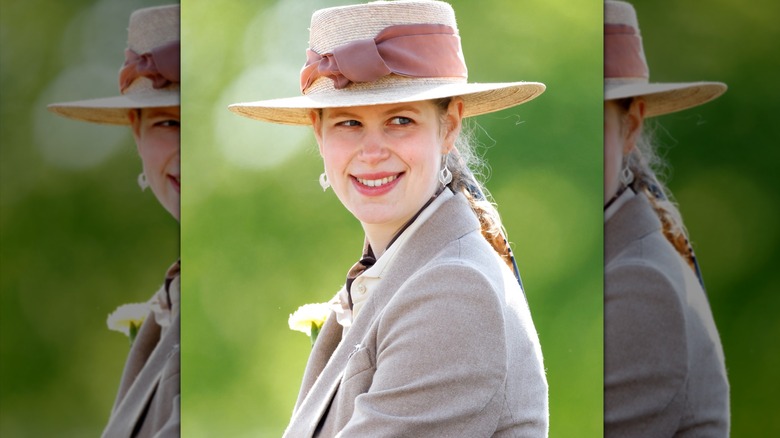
[165, 303]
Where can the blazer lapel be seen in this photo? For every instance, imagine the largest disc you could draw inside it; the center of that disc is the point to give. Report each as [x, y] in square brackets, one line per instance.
[131, 406]
[326, 365]
[327, 341]
[314, 403]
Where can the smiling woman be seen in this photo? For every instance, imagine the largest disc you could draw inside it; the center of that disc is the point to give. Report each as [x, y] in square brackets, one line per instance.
[388, 361]
[147, 403]
[382, 160]
[156, 133]
[265, 239]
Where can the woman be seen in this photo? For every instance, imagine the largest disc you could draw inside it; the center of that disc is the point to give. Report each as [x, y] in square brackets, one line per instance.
[431, 335]
[664, 372]
[147, 403]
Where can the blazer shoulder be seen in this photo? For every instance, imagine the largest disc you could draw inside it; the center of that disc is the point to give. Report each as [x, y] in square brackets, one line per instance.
[645, 343]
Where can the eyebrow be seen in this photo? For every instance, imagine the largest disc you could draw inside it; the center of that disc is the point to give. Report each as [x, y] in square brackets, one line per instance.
[346, 112]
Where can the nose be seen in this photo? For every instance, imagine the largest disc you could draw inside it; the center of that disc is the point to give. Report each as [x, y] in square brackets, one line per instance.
[373, 147]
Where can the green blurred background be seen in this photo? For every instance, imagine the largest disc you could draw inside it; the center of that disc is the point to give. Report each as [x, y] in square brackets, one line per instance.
[77, 236]
[260, 238]
[724, 158]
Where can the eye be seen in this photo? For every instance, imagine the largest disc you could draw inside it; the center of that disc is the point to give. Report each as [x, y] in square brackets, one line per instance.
[348, 123]
[167, 123]
[400, 120]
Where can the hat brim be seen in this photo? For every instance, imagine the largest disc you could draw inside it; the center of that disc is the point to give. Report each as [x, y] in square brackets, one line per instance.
[478, 99]
[113, 110]
[665, 98]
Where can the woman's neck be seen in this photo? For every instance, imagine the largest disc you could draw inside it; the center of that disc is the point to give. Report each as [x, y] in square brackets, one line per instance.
[381, 236]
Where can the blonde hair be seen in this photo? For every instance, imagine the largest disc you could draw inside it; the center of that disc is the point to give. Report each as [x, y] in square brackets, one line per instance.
[465, 164]
[647, 165]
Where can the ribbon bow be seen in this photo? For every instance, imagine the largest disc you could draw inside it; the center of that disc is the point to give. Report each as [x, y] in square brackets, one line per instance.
[415, 50]
[160, 64]
[623, 56]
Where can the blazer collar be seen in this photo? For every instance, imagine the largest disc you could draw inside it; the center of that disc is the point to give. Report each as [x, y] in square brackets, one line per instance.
[452, 220]
[633, 221]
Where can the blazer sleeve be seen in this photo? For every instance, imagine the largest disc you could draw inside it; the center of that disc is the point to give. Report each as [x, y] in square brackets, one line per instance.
[441, 359]
[645, 353]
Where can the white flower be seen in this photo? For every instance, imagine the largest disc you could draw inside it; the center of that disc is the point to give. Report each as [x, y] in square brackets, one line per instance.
[307, 315]
[128, 318]
[309, 319]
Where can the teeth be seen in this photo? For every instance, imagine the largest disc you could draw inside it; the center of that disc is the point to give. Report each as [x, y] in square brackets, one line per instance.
[377, 182]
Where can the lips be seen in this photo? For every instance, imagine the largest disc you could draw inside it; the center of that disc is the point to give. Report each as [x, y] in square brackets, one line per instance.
[174, 179]
[376, 184]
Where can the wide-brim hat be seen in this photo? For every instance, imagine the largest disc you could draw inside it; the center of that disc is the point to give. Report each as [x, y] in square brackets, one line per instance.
[386, 52]
[626, 73]
[149, 76]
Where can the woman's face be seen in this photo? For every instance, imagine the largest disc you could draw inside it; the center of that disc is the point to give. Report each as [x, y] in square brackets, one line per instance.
[383, 160]
[621, 129]
[156, 132]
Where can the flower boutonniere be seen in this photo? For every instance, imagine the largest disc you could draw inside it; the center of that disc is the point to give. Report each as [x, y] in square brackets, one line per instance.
[309, 319]
[128, 318]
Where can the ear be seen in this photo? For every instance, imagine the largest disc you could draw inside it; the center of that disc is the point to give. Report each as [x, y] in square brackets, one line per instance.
[316, 124]
[454, 123]
[634, 122]
[134, 115]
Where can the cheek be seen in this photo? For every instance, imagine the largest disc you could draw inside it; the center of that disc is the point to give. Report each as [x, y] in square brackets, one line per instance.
[157, 152]
[332, 157]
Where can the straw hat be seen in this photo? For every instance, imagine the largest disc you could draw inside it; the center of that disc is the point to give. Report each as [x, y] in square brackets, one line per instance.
[626, 73]
[386, 52]
[150, 74]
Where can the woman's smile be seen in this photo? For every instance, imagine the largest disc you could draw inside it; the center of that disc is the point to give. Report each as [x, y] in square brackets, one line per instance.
[382, 161]
[376, 184]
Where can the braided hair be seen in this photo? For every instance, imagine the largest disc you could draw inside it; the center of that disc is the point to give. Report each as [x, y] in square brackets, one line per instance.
[461, 160]
[646, 165]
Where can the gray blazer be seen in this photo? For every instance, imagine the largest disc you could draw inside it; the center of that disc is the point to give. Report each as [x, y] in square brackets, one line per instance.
[664, 372]
[445, 346]
[147, 404]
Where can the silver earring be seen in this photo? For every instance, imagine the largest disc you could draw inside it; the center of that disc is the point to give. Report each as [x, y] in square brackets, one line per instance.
[445, 176]
[324, 183]
[142, 182]
[626, 176]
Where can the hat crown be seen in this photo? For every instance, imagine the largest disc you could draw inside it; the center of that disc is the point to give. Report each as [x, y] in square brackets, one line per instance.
[334, 27]
[152, 27]
[386, 52]
[616, 12]
[624, 56]
[626, 73]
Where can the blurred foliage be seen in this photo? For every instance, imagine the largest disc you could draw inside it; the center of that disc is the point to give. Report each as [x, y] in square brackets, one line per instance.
[260, 238]
[723, 158]
[77, 236]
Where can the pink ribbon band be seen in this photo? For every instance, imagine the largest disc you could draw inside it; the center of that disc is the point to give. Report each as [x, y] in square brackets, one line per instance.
[414, 50]
[160, 64]
[623, 52]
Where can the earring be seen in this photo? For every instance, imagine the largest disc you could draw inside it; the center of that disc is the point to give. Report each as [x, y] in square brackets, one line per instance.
[324, 183]
[445, 176]
[626, 176]
[142, 182]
